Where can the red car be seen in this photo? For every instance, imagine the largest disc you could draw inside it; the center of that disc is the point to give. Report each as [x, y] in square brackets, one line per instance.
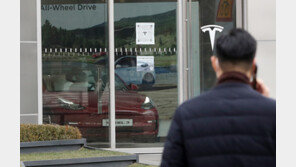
[100, 54]
[73, 95]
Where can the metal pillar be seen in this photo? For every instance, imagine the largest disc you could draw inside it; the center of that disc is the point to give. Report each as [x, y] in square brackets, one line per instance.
[239, 13]
[180, 41]
[245, 17]
[112, 132]
[39, 62]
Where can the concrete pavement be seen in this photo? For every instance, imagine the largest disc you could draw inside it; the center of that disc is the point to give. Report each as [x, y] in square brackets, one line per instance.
[149, 156]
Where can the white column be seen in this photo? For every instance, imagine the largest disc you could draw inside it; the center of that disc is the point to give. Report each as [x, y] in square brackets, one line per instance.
[39, 62]
[112, 134]
[180, 51]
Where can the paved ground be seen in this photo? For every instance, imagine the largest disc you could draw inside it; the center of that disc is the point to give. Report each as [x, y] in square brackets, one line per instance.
[150, 159]
[129, 145]
[150, 156]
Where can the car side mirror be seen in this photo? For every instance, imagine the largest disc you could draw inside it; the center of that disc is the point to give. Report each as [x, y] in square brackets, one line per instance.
[133, 87]
[118, 66]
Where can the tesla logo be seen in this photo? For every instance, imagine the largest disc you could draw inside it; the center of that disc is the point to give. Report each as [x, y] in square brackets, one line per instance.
[212, 31]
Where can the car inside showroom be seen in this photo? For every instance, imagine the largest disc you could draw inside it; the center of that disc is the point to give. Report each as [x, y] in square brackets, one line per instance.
[120, 79]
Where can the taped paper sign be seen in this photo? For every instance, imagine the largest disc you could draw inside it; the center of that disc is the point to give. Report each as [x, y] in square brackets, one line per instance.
[224, 13]
[145, 63]
[145, 33]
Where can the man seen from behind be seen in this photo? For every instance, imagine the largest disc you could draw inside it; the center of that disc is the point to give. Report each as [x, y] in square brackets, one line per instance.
[232, 125]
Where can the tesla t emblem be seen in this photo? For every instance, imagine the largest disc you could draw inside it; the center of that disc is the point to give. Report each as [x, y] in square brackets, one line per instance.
[212, 31]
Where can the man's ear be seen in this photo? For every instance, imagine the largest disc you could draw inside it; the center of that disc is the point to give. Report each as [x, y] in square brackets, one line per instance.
[215, 63]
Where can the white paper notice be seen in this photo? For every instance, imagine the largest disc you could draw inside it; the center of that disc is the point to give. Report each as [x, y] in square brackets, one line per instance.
[145, 33]
[145, 63]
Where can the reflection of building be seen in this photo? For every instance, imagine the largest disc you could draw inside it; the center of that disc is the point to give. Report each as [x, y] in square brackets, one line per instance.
[89, 43]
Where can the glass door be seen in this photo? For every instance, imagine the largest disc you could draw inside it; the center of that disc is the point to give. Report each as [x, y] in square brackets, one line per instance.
[193, 48]
[74, 72]
[207, 20]
[145, 71]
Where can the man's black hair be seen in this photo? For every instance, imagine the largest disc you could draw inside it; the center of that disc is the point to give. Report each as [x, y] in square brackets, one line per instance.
[236, 46]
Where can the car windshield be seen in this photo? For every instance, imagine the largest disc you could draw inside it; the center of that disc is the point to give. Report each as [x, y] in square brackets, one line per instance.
[119, 85]
[127, 62]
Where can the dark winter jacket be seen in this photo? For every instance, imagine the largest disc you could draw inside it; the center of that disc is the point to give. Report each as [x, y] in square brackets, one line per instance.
[230, 126]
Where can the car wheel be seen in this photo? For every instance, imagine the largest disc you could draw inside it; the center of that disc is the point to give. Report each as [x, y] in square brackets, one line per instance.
[148, 80]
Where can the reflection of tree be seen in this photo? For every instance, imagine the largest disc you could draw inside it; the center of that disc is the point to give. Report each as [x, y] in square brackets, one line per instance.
[54, 37]
[59, 37]
[96, 36]
[48, 34]
[160, 41]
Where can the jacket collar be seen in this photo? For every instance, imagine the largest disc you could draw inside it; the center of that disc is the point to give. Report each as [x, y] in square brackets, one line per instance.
[233, 79]
[233, 76]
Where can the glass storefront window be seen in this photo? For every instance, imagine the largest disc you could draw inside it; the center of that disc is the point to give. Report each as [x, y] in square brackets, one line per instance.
[75, 64]
[213, 12]
[75, 87]
[145, 36]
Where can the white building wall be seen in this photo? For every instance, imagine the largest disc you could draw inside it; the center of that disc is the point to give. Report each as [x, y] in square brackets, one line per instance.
[261, 23]
[28, 62]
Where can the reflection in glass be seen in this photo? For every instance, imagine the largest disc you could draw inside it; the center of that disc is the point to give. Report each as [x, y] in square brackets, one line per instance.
[75, 89]
[210, 12]
[70, 97]
[75, 66]
[151, 67]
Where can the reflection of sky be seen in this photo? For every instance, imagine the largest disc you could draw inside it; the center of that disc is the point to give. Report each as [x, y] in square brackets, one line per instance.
[83, 19]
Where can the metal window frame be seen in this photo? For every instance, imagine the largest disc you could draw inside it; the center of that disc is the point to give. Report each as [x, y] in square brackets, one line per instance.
[39, 62]
[244, 14]
[181, 26]
[112, 127]
[239, 13]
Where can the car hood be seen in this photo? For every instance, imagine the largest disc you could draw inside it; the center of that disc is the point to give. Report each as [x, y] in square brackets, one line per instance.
[127, 100]
[124, 100]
